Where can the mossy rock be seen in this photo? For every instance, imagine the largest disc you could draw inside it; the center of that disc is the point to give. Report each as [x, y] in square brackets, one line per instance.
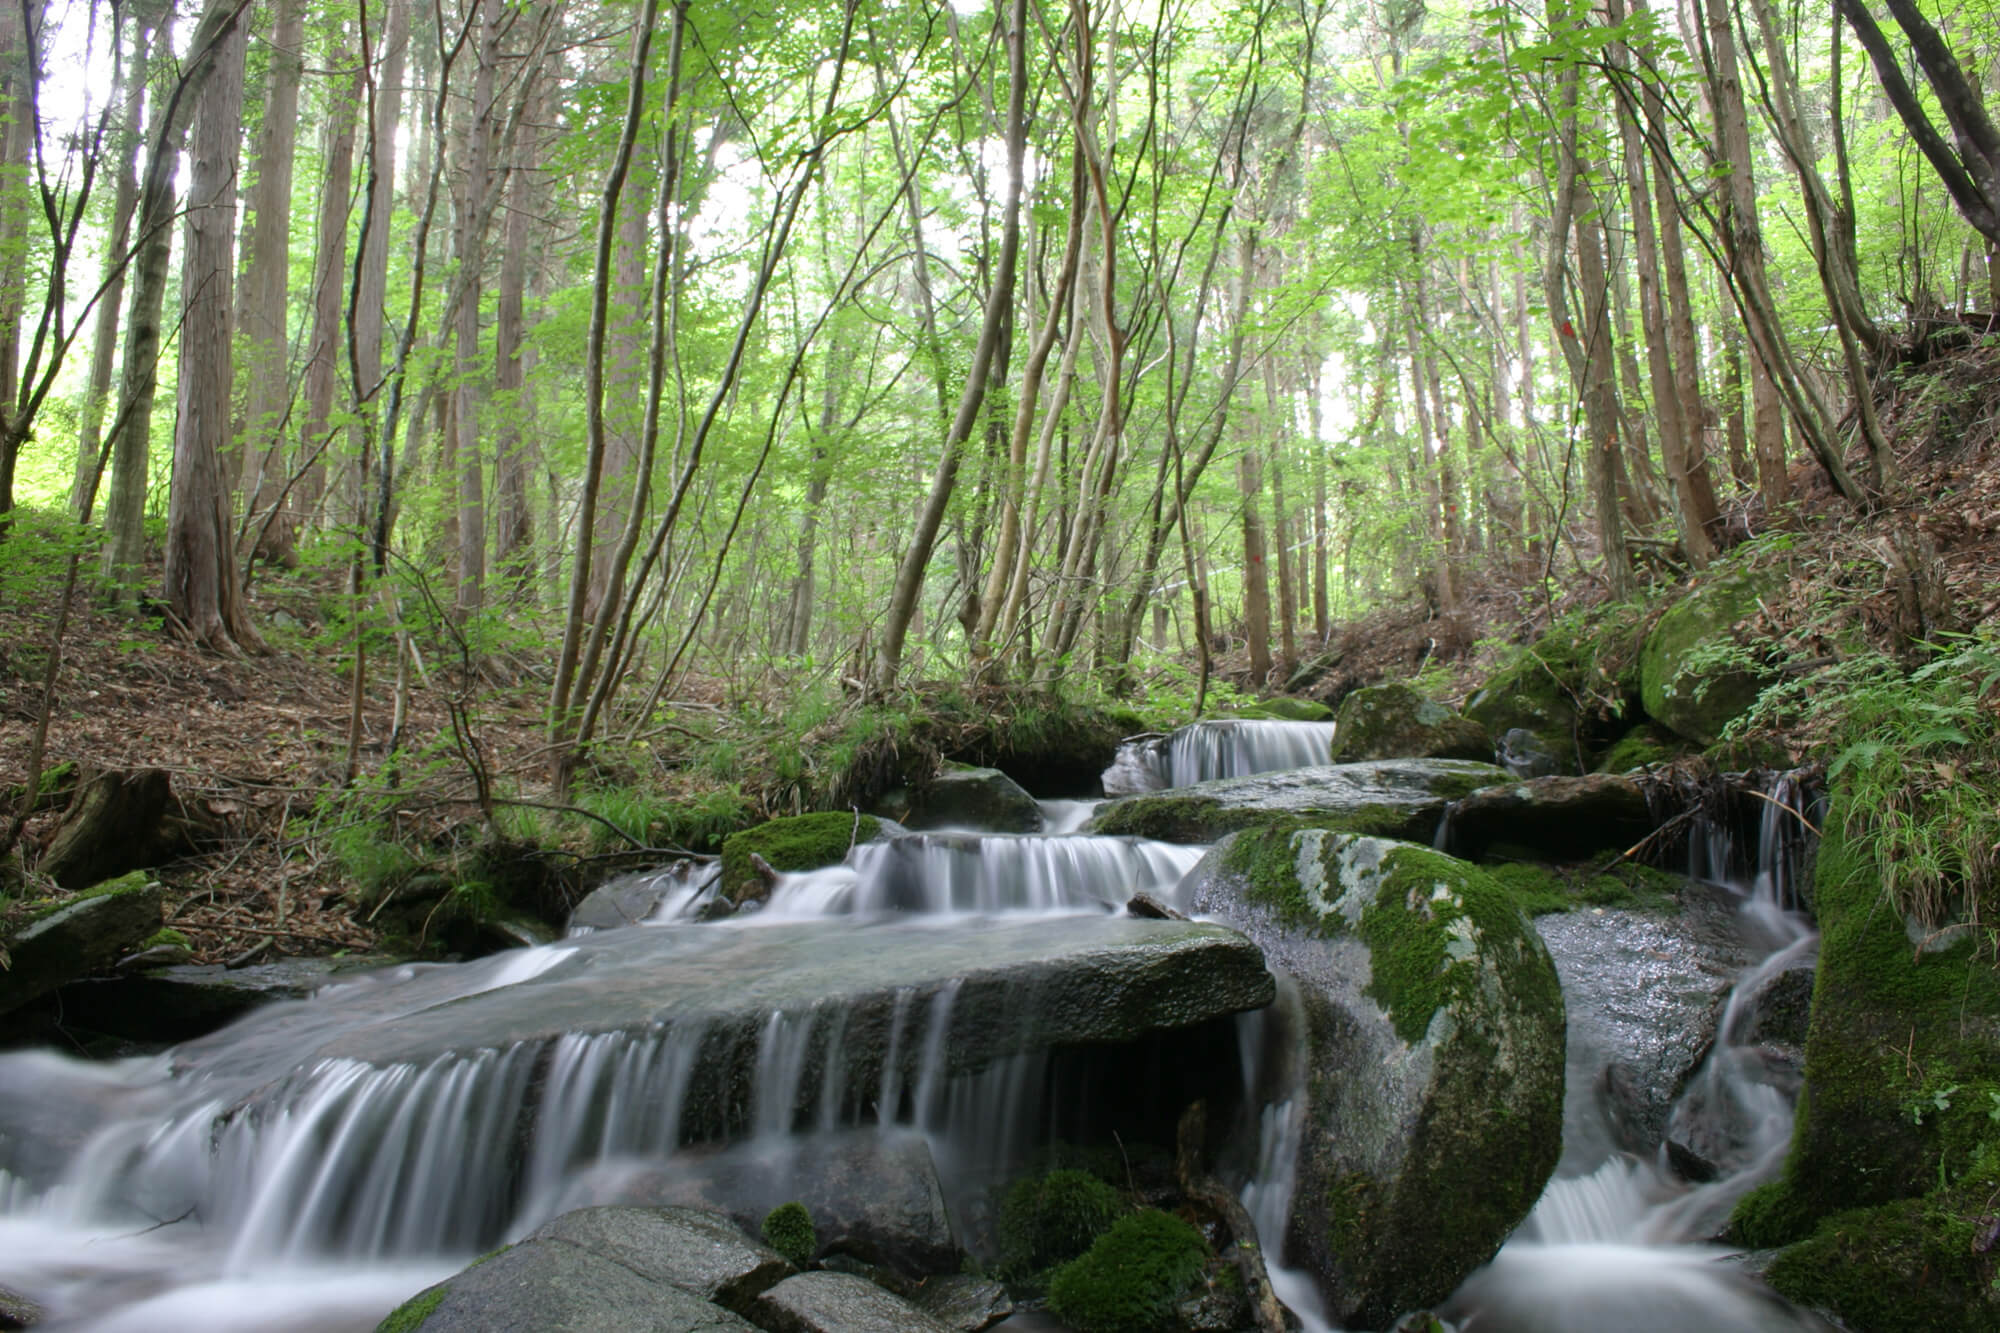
[69, 937]
[1528, 696]
[1696, 673]
[800, 842]
[1642, 747]
[788, 1229]
[1895, 1156]
[1131, 1279]
[1434, 1056]
[1397, 721]
[1287, 708]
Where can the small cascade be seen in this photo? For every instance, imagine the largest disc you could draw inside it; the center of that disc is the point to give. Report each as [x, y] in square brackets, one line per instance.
[1232, 748]
[610, 1094]
[941, 873]
[1617, 1239]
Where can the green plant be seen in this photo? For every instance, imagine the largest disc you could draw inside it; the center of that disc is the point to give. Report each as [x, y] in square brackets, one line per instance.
[1130, 1280]
[788, 1229]
[1047, 1220]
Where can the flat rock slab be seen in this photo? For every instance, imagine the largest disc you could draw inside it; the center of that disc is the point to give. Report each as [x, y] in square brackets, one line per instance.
[699, 1252]
[78, 938]
[840, 1303]
[963, 1302]
[188, 1000]
[550, 1286]
[1399, 798]
[1551, 818]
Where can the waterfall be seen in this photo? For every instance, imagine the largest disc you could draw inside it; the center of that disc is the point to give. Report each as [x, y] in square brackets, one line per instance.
[1232, 748]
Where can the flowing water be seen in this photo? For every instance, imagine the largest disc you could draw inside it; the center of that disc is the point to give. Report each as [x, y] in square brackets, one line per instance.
[230, 1183]
[1229, 749]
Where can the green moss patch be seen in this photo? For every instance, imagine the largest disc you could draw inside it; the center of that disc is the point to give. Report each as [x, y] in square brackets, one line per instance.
[789, 1230]
[1917, 1265]
[1049, 1220]
[1537, 887]
[802, 842]
[1285, 708]
[1130, 1280]
[411, 1314]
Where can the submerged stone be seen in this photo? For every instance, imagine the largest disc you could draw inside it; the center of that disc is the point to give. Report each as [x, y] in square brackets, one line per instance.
[1433, 1055]
[1391, 798]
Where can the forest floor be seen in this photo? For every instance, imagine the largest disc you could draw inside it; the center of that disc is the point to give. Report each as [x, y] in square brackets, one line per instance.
[256, 745]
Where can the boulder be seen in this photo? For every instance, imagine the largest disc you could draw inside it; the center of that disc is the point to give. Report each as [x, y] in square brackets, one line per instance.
[17, 1311]
[1287, 708]
[1642, 747]
[116, 822]
[1697, 673]
[839, 1303]
[962, 1301]
[652, 895]
[1526, 755]
[1550, 819]
[1528, 697]
[1644, 993]
[1396, 721]
[552, 1286]
[799, 842]
[873, 1195]
[1432, 1056]
[73, 938]
[976, 798]
[190, 1000]
[1391, 798]
[702, 1253]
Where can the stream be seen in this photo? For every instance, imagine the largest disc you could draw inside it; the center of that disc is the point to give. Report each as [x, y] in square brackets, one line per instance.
[316, 1163]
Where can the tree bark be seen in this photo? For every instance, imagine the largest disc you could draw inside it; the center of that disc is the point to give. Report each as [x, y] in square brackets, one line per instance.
[471, 248]
[202, 586]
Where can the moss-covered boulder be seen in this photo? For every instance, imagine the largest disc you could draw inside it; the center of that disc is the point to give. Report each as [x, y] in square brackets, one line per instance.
[800, 842]
[1642, 747]
[1697, 671]
[962, 796]
[1395, 798]
[1895, 1164]
[1397, 721]
[1432, 1056]
[73, 936]
[1528, 696]
[1287, 708]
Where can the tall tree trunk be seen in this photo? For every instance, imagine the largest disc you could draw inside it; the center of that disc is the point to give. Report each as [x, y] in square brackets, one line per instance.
[264, 310]
[471, 248]
[514, 527]
[117, 246]
[369, 295]
[1288, 597]
[202, 586]
[321, 374]
[624, 381]
[1256, 575]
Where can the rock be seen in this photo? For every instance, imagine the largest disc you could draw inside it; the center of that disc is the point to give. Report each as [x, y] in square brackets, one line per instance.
[962, 1301]
[182, 1002]
[1550, 819]
[1644, 992]
[552, 1286]
[1433, 1031]
[1146, 905]
[1287, 708]
[1391, 797]
[1528, 697]
[75, 938]
[1642, 747]
[1526, 755]
[977, 798]
[17, 1311]
[839, 1303]
[872, 1195]
[800, 842]
[1396, 721]
[702, 1253]
[1693, 698]
[117, 822]
[1777, 1011]
[652, 895]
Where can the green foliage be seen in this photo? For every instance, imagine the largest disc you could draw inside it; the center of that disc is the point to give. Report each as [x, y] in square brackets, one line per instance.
[1130, 1280]
[788, 1229]
[1051, 1219]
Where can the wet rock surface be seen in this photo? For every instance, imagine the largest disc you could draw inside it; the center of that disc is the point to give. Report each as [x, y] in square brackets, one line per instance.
[190, 1000]
[962, 1301]
[1391, 797]
[984, 798]
[840, 1303]
[702, 1253]
[632, 900]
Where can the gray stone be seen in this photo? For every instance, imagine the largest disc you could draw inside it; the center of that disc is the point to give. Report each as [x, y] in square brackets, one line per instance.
[978, 798]
[702, 1253]
[1550, 819]
[872, 1195]
[1396, 721]
[190, 1000]
[632, 899]
[839, 1303]
[1390, 798]
[1526, 755]
[1644, 993]
[17, 1311]
[78, 938]
[549, 1286]
[1092, 979]
[962, 1301]
[1426, 1039]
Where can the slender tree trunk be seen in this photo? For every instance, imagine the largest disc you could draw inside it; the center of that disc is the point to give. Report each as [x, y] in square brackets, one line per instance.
[369, 296]
[263, 313]
[471, 247]
[321, 374]
[1256, 574]
[514, 528]
[202, 586]
[117, 244]
[1281, 533]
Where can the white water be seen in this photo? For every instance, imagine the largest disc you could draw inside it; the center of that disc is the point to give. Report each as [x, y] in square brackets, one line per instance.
[1202, 751]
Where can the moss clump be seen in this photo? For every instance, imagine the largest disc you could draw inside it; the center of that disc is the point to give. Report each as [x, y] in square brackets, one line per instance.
[411, 1314]
[802, 842]
[788, 1229]
[166, 938]
[1768, 1216]
[1640, 747]
[1696, 673]
[1130, 1280]
[1537, 887]
[1917, 1264]
[136, 881]
[1051, 1219]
